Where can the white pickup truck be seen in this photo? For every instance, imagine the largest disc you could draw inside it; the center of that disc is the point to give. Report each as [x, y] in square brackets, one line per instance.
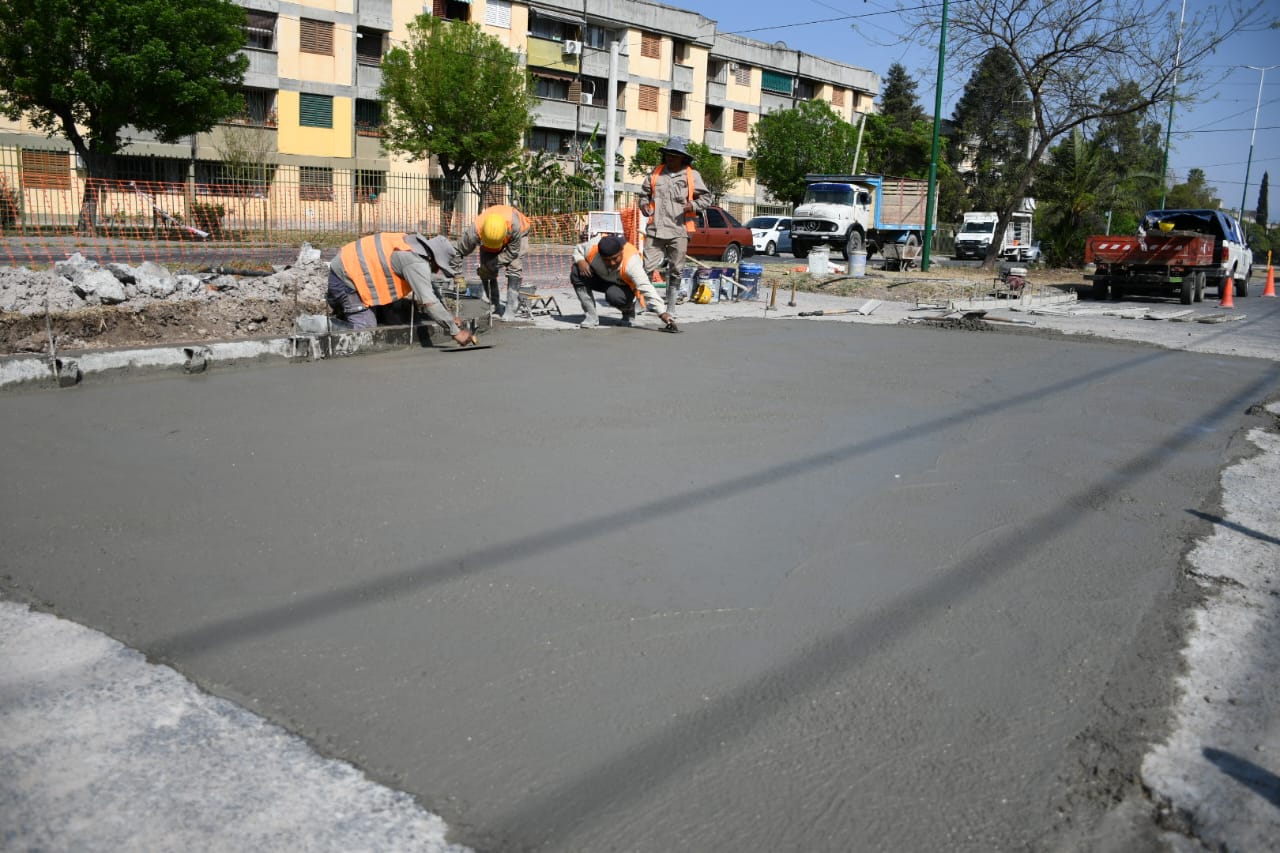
[1233, 259]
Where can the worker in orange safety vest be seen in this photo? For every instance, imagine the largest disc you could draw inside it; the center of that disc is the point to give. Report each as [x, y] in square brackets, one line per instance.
[671, 197]
[610, 265]
[501, 233]
[373, 280]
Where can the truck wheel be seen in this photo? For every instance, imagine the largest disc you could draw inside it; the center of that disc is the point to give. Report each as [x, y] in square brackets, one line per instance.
[1242, 288]
[853, 243]
[1200, 286]
[1116, 293]
[1188, 289]
[1101, 289]
[799, 251]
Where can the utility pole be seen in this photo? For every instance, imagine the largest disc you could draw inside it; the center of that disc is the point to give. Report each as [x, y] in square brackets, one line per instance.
[931, 205]
[1249, 163]
[611, 128]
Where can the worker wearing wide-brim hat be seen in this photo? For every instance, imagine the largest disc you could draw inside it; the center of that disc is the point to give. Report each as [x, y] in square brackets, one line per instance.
[671, 197]
[373, 280]
[501, 233]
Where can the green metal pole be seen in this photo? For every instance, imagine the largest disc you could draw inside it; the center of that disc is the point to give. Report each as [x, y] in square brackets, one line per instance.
[931, 204]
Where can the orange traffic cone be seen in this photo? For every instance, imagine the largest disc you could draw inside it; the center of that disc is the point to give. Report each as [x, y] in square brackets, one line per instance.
[1270, 289]
[1227, 288]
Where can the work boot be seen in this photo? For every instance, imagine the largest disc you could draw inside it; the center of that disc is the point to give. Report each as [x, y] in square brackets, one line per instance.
[628, 316]
[588, 301]
[491, 292]
[517, 307]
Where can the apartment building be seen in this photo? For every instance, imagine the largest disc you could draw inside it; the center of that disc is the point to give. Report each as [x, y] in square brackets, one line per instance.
[314, 72]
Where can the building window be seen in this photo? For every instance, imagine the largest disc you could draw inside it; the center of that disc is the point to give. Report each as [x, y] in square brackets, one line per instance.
[650, 46]
[315, 36]
[551, 141]
[551, 88]
[451, 10]
[368, 117]
[370, 185]
[772, 81]
[805, 89]
[497, 13]
[240, 180]
[597, 37]
[713, 118]
[678, 102]
[837, 97]
[543, 27]
[46, 170]
[315, 183]
[740, 121]
[680, 53]
[648, 98]
[369, 45]
[742, 75]
[162, 174]
[260, 30]
[315, 110]
[259, 108]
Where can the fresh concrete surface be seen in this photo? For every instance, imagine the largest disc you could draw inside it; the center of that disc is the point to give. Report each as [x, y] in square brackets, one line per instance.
[763, 585]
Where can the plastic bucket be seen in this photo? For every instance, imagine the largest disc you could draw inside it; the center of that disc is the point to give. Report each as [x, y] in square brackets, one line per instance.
[749, 278]
[857, 264]
[819, 257]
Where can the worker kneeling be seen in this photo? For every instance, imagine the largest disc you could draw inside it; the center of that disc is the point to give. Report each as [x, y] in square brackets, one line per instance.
[614, 267]
[372, 282]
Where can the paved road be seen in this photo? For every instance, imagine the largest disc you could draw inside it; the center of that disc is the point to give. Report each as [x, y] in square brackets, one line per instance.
[760, 586]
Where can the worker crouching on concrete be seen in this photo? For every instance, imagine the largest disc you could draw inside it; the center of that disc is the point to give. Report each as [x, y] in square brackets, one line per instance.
[612, 266]
[501, 233]
[372, 280]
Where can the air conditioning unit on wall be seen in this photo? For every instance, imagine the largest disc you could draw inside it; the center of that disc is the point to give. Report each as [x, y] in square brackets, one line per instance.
[572, 48]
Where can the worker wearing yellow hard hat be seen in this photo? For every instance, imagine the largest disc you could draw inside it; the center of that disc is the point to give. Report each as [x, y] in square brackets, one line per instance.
[500, 233]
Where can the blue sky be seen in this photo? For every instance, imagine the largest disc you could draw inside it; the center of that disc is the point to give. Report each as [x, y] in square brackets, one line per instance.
[1212, 134]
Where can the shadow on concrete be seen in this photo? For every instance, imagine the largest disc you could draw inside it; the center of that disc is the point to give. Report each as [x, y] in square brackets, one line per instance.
[1238, 528]
[1261, 781]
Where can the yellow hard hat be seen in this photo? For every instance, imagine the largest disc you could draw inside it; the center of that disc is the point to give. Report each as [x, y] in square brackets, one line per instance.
[493, 234]
[1166, 226]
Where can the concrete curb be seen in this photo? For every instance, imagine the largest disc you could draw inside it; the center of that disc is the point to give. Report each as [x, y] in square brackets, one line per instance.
[73, 367]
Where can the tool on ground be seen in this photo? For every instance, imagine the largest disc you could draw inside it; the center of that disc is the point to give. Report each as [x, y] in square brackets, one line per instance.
[827, 312]
[671, 327]
[792, 303]
[773, 297]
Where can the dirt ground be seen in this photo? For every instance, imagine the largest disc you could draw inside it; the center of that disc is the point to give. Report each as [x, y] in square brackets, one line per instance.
[228, 309]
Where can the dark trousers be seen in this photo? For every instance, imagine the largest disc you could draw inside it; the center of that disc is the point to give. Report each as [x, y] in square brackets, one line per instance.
[617, 295]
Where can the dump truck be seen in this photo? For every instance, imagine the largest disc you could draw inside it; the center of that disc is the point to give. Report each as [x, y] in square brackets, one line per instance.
[1176, 252]
[860, 213]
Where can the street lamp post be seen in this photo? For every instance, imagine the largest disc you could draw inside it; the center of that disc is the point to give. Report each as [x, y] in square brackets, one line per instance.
[1249, 163]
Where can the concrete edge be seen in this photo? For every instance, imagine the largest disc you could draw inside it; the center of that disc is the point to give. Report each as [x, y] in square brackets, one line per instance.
[72, 368]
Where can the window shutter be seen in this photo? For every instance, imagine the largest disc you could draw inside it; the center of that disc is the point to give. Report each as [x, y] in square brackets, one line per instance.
[740, 121]
[315, 36]
[46, 170]
[650, 46]
[315, 110]
[648, 98]
[772, 81]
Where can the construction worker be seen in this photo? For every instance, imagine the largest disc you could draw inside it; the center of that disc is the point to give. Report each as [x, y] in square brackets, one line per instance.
[610, 265]
[500, 233]
[671, 197]
[372, 280]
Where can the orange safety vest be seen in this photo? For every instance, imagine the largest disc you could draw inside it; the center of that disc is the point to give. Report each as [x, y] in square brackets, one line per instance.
[367, 262]
[690, 217]
[516, 221]
[628, 252]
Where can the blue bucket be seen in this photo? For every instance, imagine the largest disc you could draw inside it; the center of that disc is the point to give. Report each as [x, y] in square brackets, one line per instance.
[749, 278]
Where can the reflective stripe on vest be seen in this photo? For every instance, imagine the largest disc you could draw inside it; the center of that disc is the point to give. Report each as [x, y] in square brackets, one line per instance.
[518, 221]
[628, 252]
[690, 217]
[367, 262]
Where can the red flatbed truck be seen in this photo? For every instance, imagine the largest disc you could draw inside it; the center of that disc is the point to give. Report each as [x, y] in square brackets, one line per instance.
[1169, 263]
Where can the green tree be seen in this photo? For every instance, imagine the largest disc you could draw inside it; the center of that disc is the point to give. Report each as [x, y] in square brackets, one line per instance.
[990, 129]
[898, 100]
[1132, 153]
[1067, 202]
[785, 145]
[86, 69]
[459, 95]
[1261, 214]
[1195, 193]
[893, 148]
[715, 173]
[1066, 53]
